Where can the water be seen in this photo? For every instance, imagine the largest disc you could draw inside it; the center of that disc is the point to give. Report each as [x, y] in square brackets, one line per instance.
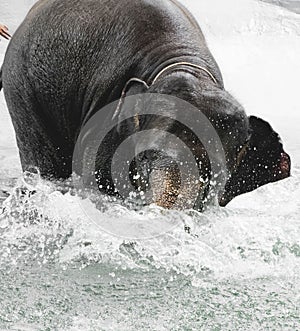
[233, 269]
[237, 269]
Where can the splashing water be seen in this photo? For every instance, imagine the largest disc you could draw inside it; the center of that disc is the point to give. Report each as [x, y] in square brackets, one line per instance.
[60, 271]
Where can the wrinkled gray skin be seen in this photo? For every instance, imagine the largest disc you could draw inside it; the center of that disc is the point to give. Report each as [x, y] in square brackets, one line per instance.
[70, 58]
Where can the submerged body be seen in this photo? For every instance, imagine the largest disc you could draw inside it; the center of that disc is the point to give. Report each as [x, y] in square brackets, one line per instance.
[70, 58]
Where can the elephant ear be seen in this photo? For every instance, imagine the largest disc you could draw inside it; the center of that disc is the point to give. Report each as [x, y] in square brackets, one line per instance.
[264, 162]
[127, 107]
[133, 86]
[125, 120]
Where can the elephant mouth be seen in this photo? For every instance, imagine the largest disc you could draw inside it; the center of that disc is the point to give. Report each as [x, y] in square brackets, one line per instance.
[165, 184]
[170, 191]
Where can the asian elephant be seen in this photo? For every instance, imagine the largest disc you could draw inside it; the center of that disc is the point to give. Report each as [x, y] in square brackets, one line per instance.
[71, 58]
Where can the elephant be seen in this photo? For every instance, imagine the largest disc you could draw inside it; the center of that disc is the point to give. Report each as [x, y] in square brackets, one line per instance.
[69, 59]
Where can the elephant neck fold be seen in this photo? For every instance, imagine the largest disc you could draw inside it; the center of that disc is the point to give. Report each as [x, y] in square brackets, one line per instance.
[187, 64]
[156, 78]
